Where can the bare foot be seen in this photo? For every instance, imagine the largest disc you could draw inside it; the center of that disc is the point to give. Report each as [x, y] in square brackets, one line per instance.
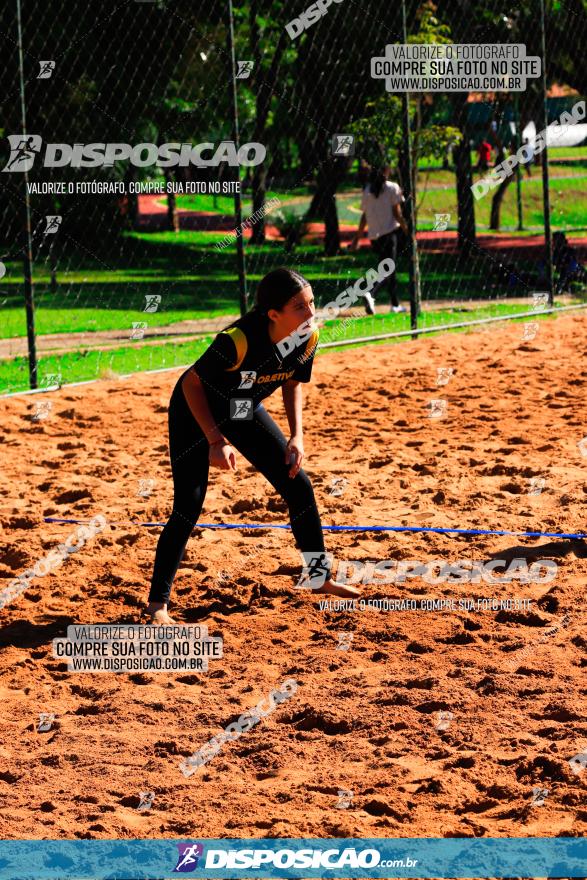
[157, 613]
[345, 591]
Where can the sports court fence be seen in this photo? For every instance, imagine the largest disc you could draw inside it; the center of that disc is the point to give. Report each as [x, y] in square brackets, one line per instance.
[95, 283]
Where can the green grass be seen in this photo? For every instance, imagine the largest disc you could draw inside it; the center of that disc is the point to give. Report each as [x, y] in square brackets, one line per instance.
[567, 197]
[82, 365]
[554, 153]
[378, 324]
[567, 153]
[372, 325]
[85, 320]
[106, 290]
[437, 195]
[196, 282]
[117, 307]
[225, 204]
[567, 203]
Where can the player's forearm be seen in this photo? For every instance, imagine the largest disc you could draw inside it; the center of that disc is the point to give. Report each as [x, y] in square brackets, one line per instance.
[292, 400]
[362, 225]
[198, 404]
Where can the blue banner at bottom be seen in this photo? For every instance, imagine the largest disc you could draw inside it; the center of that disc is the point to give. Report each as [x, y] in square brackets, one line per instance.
[420, 857]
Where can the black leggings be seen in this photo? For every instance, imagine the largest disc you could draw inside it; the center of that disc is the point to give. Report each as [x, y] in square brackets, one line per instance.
[386, 247]
[263, 444]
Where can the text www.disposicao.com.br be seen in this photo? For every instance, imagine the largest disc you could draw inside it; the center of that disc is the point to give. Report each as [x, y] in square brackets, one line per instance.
[133, 664]
[398, 863]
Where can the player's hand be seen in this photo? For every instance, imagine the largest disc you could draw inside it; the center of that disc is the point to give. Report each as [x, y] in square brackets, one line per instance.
[222, 456]
[294, 454]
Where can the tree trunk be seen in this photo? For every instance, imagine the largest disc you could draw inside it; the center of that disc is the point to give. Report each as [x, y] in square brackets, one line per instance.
[331, 227]
[172, 216]
[262, 83]
[306, 157]
[53, 208]
[497, 200]
[132, 176]
[259, 190]
[323, 204]
[415, 156]
[464, 180]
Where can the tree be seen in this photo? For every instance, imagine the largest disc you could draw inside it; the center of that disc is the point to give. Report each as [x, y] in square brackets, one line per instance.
[264, 82]
[473, 21]
[331, 89]
[464, 178]
[379, 128]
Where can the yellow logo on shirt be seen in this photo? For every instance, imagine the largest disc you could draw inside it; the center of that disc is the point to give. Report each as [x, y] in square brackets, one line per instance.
[276, 377]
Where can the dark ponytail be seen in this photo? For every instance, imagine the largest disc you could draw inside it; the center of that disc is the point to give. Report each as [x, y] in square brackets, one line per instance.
[277, 288]
[274, 291]
[376, 181]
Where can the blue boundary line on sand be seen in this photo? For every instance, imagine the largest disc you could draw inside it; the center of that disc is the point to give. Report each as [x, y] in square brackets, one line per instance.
[439, 531]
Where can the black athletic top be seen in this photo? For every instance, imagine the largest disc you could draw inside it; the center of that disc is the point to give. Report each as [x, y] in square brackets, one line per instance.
[242, 362]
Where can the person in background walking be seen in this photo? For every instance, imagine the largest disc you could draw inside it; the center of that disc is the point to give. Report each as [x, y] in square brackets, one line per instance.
[382, 215]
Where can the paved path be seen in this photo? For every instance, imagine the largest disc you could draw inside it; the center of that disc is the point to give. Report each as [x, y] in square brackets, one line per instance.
[190, 331]
[526, 247]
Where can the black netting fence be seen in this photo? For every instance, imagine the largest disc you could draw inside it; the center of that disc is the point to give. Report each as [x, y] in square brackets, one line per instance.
[127, 128]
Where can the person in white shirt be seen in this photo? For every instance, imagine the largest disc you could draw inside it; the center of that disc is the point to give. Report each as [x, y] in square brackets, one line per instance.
[382, 215]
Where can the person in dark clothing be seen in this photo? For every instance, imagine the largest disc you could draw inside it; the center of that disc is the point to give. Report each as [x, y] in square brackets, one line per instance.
[566, 262]
[216, 407]
[382, 216]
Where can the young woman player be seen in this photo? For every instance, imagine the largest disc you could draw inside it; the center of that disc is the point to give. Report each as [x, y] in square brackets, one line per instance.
[217, 405]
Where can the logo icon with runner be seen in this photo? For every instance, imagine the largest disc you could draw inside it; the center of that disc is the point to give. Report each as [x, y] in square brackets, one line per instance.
[46, 720]
[530, 331]
[189, 854]
[344, 640]
[441, 222]
[244, 70]
[337, 486]
[444, 375]
[247, 378]
[46, 69]
[241, 409]
[343, 145]
[23, 151]
[138, 330]
[146, 801]
[437, 409]
[152, 302]
[316, 568]
[345, 798]
[53, 223]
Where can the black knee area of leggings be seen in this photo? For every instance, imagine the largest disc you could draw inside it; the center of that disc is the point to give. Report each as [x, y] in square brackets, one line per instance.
[298, 492]
[303, 488]
[182, 519]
